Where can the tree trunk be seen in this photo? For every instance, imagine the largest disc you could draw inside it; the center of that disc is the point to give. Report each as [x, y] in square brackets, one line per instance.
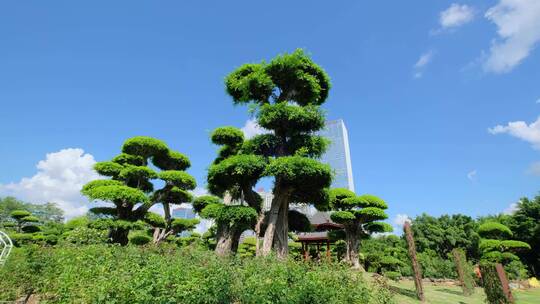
[168, 218]
[281, 236]
[414, 261]
[352, 233]
[119, 235]
[281, 195]
[228, 240]
[260, 220]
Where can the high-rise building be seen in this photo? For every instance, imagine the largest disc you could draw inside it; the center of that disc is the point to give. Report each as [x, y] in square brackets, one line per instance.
[338, 155]
[183, 212]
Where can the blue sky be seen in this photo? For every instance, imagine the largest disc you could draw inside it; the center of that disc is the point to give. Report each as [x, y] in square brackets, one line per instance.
[418, 83]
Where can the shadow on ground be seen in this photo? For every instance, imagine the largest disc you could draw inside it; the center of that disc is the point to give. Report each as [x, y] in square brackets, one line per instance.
[404, 291]
[458, 293]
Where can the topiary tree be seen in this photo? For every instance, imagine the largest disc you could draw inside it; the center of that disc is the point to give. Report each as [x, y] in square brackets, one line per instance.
[24, 221]
[232, 177]
[130, 188]
[285, 95]
[495, 246]
[360, 216]
[230, 220]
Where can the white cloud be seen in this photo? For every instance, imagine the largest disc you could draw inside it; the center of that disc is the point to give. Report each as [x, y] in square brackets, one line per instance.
[203, 226]
[538, 100]
[534, 169]
[421, 63]
[424, 59]
[199, 191]
[518, 27]
[511, 209]
[59, 179]
[520, 129]
[456, 15]
[472, 175]
[252, 128]
[400, 220]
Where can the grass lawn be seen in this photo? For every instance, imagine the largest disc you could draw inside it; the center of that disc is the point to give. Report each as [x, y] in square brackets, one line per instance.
[437, 294]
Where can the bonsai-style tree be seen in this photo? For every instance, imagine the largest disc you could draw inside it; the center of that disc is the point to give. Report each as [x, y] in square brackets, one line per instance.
[24, 221]
[495, 246]
[285, 95]
[232, 177]
[130, 188]
[230, 220]
[359, 216]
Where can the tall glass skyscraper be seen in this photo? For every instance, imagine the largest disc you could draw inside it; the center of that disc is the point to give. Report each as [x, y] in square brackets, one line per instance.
[338, 155]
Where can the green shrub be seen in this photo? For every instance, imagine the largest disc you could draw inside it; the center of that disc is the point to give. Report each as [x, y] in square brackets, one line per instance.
[139, 238]
[20, 239]
[104, 273]
[433, 266]
[85, 236]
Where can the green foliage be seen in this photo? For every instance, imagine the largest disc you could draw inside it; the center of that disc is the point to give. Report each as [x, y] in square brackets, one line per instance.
[392, 275]
[30, 229]
[115, 194]
[495, 248]
[301, 173]
[139, 238]
[341, 199]
[180, 224]
[232, 215]
[166, 274]
[155, 220]
[370, 214]
[443, 234]
[19, 214]
[235, 171]
[380, 227]
[172, 160]
[467, 276]
[285, 94]
[201, 202]
[433, 266]
[30, 219]
[82, 235]
[230, 136]
[342, 217]
[368, 200]
[494, 230]
[144, 146]
[131, 190]
[76, 222]
[492, 285]
[180, 179]
[289, 118]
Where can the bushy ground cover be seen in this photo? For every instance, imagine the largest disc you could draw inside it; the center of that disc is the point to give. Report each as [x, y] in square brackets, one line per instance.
[166, 274]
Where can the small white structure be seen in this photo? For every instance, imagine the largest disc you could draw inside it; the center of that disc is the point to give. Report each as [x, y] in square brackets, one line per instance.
[5, 247]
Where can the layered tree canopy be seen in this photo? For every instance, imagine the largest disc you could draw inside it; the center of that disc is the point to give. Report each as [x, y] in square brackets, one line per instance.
[130, 186]
[495, 246]
[286, 94]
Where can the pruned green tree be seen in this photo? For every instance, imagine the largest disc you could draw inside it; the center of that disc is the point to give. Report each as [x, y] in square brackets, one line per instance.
[495, 245]
[25, 221]
[230, 220]
[285, 95]
[232, 176]
[130, 189]
[360, 216]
